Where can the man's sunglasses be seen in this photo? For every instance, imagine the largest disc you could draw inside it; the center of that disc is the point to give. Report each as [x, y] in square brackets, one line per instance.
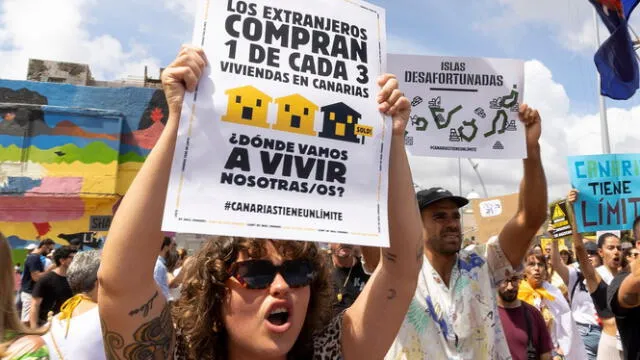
[259, 274]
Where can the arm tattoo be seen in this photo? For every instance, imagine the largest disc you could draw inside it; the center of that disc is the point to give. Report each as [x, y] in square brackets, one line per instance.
[152, 340]
[145, 308]
[392, 294]
[390, 256]
[112, 342]
[631, 299]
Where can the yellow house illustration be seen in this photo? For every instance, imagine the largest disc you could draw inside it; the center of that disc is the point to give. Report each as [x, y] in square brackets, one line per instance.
[248, 106]
[296, 114]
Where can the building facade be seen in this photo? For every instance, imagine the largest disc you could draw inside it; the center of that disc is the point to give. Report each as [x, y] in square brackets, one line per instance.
[68, 152]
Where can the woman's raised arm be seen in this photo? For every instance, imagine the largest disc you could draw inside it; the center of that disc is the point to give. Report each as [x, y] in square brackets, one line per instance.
[135, 319]
[373, 321]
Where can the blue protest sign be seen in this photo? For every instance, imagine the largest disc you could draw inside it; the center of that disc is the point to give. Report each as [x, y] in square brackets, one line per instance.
[609, 188]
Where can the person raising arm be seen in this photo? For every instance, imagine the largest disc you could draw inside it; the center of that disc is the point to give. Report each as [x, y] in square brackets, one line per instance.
[247, 298]
[623, 298]
[601, 342]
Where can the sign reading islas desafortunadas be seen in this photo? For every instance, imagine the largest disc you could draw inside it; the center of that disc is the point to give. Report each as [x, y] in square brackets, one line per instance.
[609, 187]
[283, 138]
[462, 107]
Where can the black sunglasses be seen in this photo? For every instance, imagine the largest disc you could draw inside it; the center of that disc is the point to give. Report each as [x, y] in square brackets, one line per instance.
[259, 274]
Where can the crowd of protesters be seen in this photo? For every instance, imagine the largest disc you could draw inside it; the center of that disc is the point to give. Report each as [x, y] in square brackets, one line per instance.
[424, 297]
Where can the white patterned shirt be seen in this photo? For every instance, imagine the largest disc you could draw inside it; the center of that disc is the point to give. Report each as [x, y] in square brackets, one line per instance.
[460, 321]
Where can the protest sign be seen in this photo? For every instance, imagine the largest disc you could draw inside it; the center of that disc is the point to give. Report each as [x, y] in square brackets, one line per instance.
[563, 244]
[283, 139]
[462, 107]
[560, 220]
[492, 214]
[609, 189]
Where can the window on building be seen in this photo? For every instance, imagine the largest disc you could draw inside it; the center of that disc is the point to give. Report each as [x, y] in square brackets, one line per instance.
[259, 102]
[238, 99]
[332, 116]
[306, 111]
[350, 119]
[287, 108]
[56, 80]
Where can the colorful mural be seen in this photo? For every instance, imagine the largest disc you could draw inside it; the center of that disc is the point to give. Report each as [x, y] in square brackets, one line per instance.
[68, 154]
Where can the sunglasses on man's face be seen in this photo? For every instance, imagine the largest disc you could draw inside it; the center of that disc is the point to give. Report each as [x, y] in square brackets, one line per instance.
[259, 274]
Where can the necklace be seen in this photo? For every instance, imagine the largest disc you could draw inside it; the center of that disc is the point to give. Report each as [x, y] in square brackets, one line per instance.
[344, 284]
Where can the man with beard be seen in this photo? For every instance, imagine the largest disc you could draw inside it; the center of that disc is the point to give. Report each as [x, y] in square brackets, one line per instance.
[33, 270]
[524, 327]
[453, 314]
[349, 276]
[160, 272]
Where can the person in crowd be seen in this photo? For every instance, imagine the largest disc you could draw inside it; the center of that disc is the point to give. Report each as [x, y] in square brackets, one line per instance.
[623, 298]
[547, 251]
[610, 252]
[17, 278]
[75, 332]
[77, 243]
[17, 341]
[349, 277]
[453, 312]
[582, 283]
[592, 251]
[52, 290]
[565, 255]
[587, 295]
[524, 327]
[629, 255]
[160, 271]
[549, 300]
[537, 249]
[636, 232]
[610, 346]
[34, 269]
[175, 279]
[552, 275]
[246, 298]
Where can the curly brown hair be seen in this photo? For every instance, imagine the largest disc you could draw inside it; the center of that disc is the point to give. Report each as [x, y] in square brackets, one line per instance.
[198, 313]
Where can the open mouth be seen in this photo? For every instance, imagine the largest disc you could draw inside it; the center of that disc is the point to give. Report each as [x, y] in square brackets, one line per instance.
[279, 316]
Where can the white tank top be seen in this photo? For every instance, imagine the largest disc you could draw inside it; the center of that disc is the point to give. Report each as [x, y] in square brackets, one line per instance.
[84, 340]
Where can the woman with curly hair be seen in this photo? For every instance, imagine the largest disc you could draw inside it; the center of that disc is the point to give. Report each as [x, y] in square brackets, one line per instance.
[16, 340]
[246, 298]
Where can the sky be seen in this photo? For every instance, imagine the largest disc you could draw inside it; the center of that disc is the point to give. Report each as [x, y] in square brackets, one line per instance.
[118, 38]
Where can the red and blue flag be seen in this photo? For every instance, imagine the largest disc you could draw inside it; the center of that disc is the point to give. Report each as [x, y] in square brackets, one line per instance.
[616, 58]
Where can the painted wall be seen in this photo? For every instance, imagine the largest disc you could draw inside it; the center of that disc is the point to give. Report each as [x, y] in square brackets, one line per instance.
[68, 153]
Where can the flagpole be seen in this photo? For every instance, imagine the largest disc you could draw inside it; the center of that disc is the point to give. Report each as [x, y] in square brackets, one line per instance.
[604, 126]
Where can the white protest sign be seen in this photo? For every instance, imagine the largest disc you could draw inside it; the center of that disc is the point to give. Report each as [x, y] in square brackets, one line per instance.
[462, 107]
[491, 208]
[282, 138]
